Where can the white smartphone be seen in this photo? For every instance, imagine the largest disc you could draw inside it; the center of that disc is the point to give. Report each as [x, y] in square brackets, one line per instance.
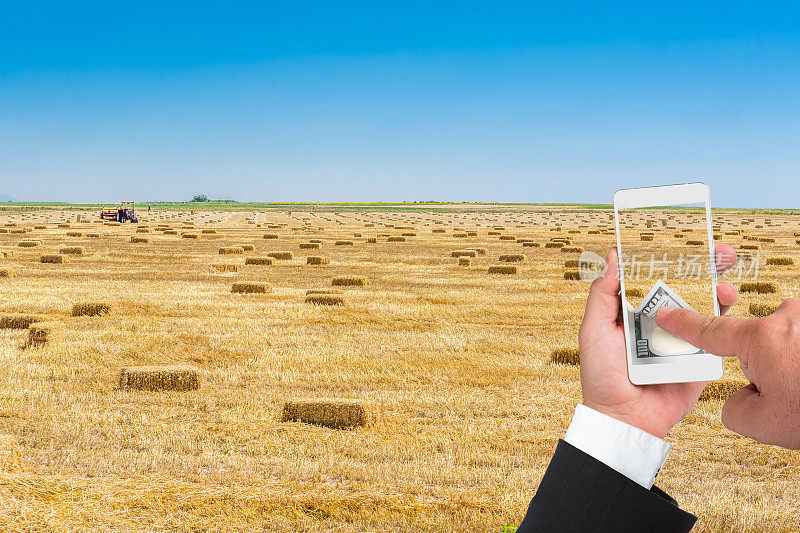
[666, 257]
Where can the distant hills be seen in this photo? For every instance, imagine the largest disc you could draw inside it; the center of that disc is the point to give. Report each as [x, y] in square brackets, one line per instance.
[6, 198]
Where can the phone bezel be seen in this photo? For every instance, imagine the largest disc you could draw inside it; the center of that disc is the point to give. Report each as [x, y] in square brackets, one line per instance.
[679, 369]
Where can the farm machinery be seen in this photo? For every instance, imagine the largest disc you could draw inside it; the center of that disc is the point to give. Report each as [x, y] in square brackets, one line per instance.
[126, 212]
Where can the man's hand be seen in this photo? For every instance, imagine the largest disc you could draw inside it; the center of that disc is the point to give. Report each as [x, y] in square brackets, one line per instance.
[604, 361]
[768, 348]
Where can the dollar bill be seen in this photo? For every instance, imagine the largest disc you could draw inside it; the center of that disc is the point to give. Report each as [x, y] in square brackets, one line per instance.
[644, 324]
[659, 296]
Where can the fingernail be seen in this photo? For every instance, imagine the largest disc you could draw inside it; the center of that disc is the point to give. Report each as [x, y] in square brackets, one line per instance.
[663, 312]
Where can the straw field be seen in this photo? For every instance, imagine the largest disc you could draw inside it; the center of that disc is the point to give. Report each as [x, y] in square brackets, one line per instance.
[179, 380]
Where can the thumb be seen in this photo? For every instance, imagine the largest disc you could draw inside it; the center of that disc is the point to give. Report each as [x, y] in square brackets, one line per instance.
[745, 414]
[719, 335]
[603, 302]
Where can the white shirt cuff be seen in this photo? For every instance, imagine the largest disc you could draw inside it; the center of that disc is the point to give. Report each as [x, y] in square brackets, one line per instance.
[632, 452]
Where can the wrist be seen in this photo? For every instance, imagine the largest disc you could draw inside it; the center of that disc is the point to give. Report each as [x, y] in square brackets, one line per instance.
[632, 452]
[630, 417]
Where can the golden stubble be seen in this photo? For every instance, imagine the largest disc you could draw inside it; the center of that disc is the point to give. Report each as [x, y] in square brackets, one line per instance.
[452, 362]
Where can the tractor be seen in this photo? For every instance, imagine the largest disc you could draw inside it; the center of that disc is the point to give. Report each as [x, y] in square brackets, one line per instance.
[126, 212]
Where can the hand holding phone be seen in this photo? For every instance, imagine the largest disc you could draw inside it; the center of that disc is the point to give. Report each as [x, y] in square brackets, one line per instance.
[604, 371]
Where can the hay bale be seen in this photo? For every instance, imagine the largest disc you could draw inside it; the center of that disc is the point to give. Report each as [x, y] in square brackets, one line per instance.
[721, 389]
[159, 378]
[508, 238]
[72, 250]
[140, 240]
[350, 281]
[231, 250]
[531, 244]
[280, 255]
[317, 260]
[343, 243]
[39, 333]
[247, 247]
[74, 234]
[29, 244]
[309, 245]
[768, 240]
[565, 356]
[502, 269]
[634, 293]
[464, 261]
[309, 292]
[171, 232]
[52, 258]
[480, 251]
[90, 309]
[749, 247]
[226, 267]
[464, 253]
[250, 287]
[760, 287]
[143, 230]
[572, 249]
[324, 299]
[694, 243]
[259, 261]
[208, 231]
[760, 309]
[332, 413]
[270, 236]
[93, 235]
[572, 275]
[396, 239]
[18, 320]
[512, 258]
[189, 235]
[554, 245]
[780, 261]
[372, 240]
[646, 237]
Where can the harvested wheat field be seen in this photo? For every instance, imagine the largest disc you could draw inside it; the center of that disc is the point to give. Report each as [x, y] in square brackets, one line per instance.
[190, 386]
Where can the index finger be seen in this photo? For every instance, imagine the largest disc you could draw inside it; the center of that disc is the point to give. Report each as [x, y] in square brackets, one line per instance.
[719, 335]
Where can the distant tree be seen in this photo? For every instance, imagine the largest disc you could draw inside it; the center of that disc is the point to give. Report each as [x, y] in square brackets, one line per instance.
[200, 198]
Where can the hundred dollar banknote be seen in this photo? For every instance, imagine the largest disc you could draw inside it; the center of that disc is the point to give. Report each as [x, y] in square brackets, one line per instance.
[649, 339]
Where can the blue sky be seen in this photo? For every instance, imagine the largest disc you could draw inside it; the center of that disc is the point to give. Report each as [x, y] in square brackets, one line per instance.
[400, 101]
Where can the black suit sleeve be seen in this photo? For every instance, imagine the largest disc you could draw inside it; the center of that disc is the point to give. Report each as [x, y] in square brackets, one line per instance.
[579, 493]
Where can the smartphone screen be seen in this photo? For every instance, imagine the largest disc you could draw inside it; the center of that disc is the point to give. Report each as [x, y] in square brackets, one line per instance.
[665, 259]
